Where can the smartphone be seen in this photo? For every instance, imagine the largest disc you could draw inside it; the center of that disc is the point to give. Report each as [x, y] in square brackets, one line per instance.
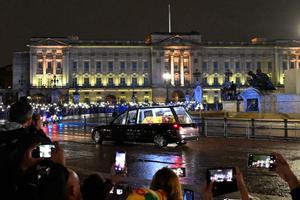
[120, 164]
[224, 180]
[180, 172]
[43, 151]
[188, 194]
[221, 174]
[261, 161]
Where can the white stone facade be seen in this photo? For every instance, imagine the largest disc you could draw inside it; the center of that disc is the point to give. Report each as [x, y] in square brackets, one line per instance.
[118, 70]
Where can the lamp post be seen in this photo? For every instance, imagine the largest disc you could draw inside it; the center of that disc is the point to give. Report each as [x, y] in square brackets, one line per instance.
[167, 77]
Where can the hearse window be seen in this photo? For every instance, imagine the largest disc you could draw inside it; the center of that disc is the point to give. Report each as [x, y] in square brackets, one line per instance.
[131, 117]
[156, 116]
[120, 120]
[182, 115]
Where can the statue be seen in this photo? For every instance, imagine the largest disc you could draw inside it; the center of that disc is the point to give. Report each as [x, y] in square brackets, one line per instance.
[260, 81]
[228, 91]
[198, 93]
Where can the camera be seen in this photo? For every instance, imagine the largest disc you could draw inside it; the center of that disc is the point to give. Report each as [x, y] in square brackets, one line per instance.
[224, 180]
[43, 151]
[261, 161]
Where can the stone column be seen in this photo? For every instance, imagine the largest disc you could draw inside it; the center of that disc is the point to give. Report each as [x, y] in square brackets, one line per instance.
[44, 79]
[276, 68]
[172, 70]
[181, 71]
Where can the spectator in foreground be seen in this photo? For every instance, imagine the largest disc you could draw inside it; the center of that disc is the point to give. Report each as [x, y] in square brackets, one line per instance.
[17, 137]
[48, 181]
[165, 179]
[240, 183]
[284, 171]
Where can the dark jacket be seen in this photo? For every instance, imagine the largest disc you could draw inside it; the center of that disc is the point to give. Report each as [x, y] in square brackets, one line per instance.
[13, 145]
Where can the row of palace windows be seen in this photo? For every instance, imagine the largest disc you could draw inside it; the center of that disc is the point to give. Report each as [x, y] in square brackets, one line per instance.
[110, 65]
[248, 66]
[217, 83]
[49, 67]
[237, 67]
[86, 82]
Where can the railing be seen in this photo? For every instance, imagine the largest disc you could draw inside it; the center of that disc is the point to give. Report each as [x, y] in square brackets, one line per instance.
[249, 128]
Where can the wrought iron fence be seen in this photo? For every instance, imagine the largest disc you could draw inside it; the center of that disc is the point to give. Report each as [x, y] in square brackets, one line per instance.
[249, 128]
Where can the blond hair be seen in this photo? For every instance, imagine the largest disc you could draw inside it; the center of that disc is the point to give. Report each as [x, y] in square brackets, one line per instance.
[165, 179]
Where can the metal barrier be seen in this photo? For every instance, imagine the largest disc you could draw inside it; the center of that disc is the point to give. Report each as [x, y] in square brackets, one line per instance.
[249, 128]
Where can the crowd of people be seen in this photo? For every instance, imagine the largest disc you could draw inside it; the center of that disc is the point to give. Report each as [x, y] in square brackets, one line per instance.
[25, 176]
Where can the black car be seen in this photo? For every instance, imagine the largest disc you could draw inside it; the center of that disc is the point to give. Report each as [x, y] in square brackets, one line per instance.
[161, 125]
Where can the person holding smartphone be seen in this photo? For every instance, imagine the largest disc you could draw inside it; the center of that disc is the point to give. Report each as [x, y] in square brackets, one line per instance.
[208, 194]
[283, 169]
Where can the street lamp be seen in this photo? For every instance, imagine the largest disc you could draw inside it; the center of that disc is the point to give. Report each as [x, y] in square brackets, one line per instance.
[167, 77]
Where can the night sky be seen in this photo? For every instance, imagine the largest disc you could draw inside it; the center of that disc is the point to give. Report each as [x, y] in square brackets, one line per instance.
[216, 20]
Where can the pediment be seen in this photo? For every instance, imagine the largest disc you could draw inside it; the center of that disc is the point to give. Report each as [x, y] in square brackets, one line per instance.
[49, 42]
[175, 40]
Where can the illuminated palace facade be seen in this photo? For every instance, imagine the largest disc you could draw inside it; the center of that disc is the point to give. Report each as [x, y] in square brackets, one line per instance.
[123, 71]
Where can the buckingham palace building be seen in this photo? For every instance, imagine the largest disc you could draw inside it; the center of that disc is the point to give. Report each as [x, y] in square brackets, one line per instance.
[123, 71]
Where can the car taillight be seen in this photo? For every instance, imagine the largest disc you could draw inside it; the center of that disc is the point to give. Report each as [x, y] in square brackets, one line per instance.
[176, 126]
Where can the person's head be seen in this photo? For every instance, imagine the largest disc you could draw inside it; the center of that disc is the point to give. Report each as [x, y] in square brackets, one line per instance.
[165, 179]
[93, 188]
[21, 112]
[258, 70]
[53, 181]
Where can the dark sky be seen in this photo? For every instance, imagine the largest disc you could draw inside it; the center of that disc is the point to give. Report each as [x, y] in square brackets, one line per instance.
[222, 20]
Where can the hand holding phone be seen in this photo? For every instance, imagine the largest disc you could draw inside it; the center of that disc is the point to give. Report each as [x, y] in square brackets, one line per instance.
[120, 164]
[43, 151]
[188, 194]
[223, 179]
[265, 161]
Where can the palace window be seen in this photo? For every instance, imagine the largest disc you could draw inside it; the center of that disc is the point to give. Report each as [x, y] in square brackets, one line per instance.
[98, 66]
[204, 67]
[134, 82]
[74, 67]
[216, 67]
[226, 66]
[39, 69]
[122, 81]
[98, 81]
[86, 82]
[134, 66]
[110, 66]
[86, 66]
[284, 65]
[74, 81]
[216, 81]
[146, 66]
[58, 68]
[292, 65]
[237, 67]
[269, 67]
[122, 67]
[40, 82]
[49, 69]
[110, 82]
[146, 81]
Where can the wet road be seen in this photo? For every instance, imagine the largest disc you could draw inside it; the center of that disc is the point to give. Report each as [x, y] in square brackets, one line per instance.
[143, 160]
